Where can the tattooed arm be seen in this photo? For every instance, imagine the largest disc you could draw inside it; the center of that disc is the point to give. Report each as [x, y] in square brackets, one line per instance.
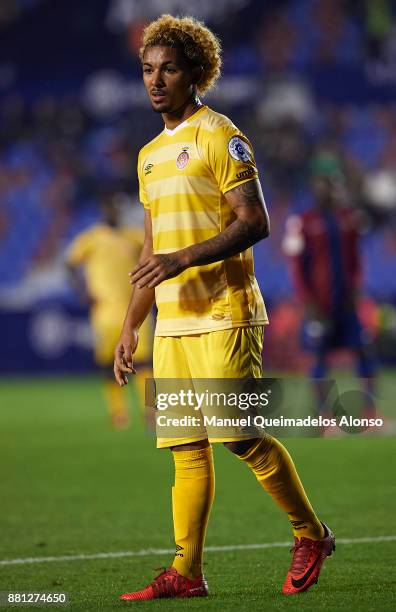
[250, 226]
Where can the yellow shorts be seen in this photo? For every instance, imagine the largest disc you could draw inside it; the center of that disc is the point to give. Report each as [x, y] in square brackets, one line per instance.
[106, 324]
[232, 353]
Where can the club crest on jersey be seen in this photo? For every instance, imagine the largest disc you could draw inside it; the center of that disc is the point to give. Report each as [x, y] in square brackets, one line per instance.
[182, 159]
[239, 149]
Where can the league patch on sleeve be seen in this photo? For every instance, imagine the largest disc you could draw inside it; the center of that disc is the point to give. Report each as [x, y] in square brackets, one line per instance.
[239, 149]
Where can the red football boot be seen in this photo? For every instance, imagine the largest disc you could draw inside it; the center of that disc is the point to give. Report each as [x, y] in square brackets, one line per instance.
[170, 583]
[308, 557]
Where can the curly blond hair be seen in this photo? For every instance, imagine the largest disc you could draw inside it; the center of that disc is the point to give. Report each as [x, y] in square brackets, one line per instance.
[197, 43]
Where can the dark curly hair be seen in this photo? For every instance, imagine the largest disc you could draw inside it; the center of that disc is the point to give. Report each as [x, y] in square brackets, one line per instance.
[197, 43]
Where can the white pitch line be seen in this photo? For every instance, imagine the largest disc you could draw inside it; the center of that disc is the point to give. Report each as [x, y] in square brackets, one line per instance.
[148, 552]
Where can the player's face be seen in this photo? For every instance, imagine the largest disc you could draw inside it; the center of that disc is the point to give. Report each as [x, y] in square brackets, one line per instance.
[168, 80]
[323, 189]
[111, 212]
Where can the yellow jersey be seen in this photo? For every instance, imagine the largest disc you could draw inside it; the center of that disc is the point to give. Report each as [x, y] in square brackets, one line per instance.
[107, 255]
[183, 176]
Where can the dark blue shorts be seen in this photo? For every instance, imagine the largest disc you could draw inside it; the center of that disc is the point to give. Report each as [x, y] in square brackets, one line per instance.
[343, 330]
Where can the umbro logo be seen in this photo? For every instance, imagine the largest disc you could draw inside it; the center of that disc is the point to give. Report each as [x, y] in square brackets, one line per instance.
[148, 169]
[298, 525]
[245, 173]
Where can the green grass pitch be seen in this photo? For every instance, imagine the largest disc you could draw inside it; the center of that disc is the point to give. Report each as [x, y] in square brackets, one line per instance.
[70, 486]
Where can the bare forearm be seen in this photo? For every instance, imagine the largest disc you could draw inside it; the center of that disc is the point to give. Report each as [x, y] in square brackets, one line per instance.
[237, 237]
[142, 298]
[140, 306]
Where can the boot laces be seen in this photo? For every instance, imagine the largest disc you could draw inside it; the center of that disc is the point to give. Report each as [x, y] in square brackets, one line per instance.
[301, 553]
[164, 583]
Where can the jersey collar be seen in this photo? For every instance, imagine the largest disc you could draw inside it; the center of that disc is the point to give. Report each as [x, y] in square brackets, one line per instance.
[185, 123]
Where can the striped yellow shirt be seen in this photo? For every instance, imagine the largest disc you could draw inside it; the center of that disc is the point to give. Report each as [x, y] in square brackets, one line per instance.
[183, 176]
[107, 255]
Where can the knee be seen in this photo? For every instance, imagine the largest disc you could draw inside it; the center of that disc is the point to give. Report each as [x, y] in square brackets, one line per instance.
[241, 446]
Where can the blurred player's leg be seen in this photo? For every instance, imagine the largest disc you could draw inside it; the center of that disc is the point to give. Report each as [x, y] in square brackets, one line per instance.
[359, 340]
[319, 368]
[139, 382]
[365, 368]
[116, 402]
[320, 388]
[143, 360]
[106, 325]
[106, 335]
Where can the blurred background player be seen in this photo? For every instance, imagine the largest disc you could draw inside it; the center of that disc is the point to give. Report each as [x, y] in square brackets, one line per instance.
[98, 262]
[323, 243]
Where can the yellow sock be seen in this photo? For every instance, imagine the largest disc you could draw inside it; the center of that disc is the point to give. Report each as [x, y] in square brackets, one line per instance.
[116, 402]
[192, 497]
[275, 470]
